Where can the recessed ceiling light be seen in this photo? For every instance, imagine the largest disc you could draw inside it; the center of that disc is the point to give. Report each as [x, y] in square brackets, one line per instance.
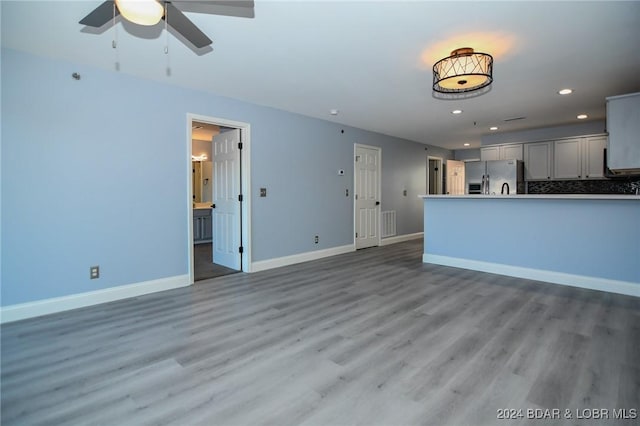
[582, 116]
[565, 91]
[493, 128]
[467, 144]
[333, 112]
[456, 111]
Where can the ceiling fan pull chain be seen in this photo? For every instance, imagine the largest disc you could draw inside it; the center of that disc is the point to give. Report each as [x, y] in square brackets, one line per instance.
[166, 29]
[166, 46]
[114, 42]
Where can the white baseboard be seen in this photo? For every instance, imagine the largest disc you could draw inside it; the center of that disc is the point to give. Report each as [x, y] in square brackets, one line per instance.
[573, 280]
[58, 304]
[401, 238]
[263, 265]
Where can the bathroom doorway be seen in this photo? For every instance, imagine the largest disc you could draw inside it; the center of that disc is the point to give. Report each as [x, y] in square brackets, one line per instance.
[216, 239]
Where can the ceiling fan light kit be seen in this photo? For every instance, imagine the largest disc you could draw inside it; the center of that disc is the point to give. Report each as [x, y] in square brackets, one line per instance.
[464, 71]
[142, 12]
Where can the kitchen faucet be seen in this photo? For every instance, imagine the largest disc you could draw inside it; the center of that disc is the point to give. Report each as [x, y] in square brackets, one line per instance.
[502, 191]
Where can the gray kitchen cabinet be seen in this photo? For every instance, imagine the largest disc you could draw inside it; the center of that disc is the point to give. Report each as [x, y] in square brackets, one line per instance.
[511, 152]
[490, 153]
[567, 159]
[202, 226]
[579, 158]
[623, 124]
[593, 157]
[538, 160]
[502, 152]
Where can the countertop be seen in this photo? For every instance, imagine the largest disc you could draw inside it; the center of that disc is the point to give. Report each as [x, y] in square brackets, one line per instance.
[201, 206]
[540, 197]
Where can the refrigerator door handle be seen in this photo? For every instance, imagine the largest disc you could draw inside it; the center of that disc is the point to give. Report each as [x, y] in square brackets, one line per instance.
[487, 185]
[482, 188]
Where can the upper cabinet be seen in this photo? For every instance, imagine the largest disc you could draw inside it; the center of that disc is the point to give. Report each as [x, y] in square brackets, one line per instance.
[567, 159]
[511, 152]
[579, 158]
[490, 153]
[537, 160]
[571, 158]
[593, 156]
[623, 123]
[502, 152]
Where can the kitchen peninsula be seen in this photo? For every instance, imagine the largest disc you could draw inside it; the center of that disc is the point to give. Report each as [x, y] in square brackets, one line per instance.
[581, 240]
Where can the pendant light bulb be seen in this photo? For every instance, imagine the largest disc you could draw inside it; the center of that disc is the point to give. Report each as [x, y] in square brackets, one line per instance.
[142, 12]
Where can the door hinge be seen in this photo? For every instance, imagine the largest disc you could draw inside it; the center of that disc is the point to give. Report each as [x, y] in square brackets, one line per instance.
[240, 198]
[239, 145]
[356, 235]
[241, 249]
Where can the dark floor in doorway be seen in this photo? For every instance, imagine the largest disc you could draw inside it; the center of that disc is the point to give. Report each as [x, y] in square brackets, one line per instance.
[204, 268]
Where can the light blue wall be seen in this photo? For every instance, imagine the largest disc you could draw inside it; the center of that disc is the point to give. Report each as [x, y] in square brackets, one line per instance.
[592, 238]
[94, 173]
[467, 154]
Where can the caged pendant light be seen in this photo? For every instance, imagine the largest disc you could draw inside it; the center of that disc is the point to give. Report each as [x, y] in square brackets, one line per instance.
[464, 71]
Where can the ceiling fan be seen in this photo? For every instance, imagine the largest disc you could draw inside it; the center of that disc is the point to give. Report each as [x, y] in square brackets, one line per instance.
[150, 12]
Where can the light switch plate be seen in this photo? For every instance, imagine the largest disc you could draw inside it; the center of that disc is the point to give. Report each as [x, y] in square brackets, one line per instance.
[263, 192]
[94, 272]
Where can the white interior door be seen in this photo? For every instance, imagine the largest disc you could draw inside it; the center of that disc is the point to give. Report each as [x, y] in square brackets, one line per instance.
[226, 202]
[367, 196]
[455, 177]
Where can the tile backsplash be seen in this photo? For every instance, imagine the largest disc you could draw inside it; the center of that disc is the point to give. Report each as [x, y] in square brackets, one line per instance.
[601, 186]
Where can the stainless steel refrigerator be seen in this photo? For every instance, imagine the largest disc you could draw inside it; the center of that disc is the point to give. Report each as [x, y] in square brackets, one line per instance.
[494, 177]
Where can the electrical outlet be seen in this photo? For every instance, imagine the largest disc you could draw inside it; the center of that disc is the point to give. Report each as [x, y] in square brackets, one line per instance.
[94, 272]
[316, 239]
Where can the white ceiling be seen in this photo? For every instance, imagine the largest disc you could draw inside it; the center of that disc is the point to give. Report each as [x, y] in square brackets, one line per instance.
[372, 60]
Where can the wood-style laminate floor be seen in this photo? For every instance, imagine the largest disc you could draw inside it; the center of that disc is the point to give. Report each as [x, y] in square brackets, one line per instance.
[203, 266]
[373, 337]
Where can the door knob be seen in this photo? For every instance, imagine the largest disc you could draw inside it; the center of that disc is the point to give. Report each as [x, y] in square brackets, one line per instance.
[213, 206]
[377, 203]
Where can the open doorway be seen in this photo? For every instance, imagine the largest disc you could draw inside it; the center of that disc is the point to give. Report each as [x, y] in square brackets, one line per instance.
[434, 175]
[219, 215]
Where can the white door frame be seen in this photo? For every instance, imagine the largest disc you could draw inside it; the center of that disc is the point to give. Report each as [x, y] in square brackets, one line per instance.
[245, 182]
[355, 172]
[439, 179]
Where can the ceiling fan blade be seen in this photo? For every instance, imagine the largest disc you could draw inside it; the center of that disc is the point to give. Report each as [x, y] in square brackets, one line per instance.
[237, 8]
[100, 15]
[184, 26]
